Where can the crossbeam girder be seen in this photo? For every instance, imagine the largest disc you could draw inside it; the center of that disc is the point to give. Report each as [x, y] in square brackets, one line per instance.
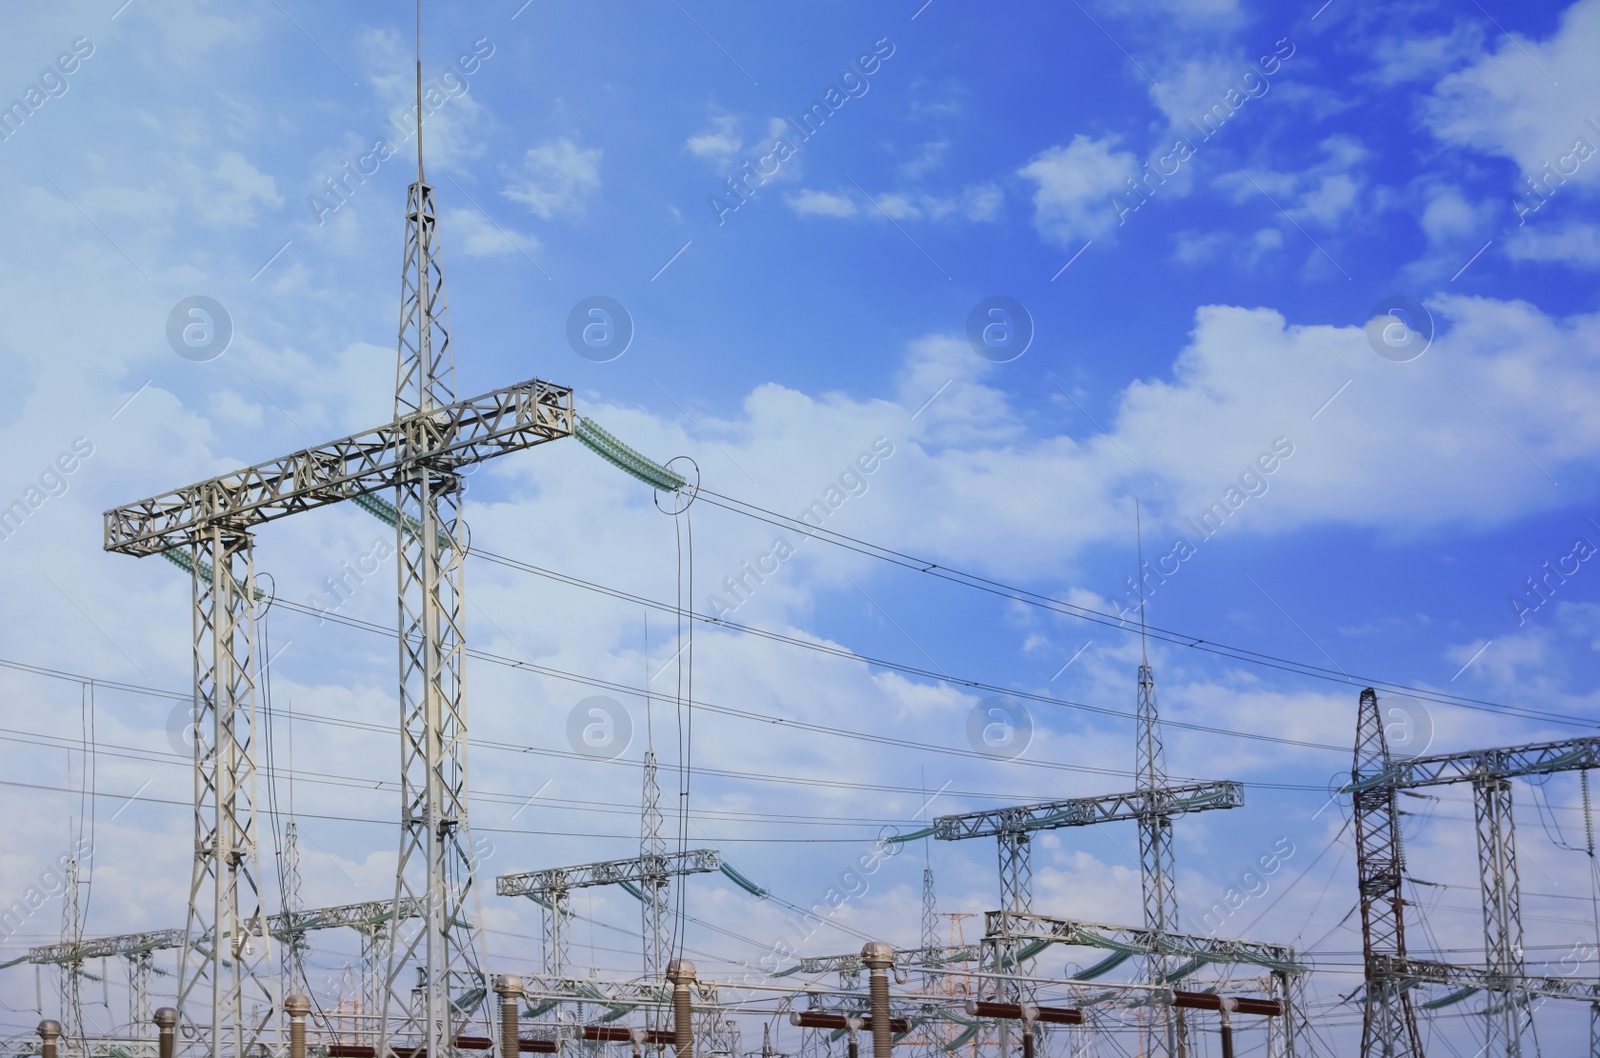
[353, 915]
[1506, 762]
[467, 431]
[1414, 972]
[609, 872]
[1008, 925]
[1088, 811]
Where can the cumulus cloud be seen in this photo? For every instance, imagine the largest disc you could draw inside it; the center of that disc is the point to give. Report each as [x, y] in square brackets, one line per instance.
[1528, 100]
[719, 141]
[1073, 186]
[811, 203]
[557, 179]
[478, 236]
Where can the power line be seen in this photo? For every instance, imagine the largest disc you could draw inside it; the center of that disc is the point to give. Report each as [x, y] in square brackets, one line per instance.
[1100, 617]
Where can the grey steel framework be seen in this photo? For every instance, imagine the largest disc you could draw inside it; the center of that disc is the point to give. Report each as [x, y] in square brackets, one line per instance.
[648, 875]
[294, 949]
[1192, 950]
[1389, 1025]
[1012, 827]
[209, 520]
[1388, 1021]
[71, 972]
[1158, 873]
[654, 893]
[468, 431]
[138, 948]
[435, 862]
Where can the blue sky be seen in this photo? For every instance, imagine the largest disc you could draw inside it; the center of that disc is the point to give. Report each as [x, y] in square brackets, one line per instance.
[1354, 155]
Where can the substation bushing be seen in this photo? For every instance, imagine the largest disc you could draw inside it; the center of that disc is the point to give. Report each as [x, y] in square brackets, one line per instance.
[878, 957]
[166, 1019]
[49, 1037]
[681, 973]
[297, 1007]
[509, 988]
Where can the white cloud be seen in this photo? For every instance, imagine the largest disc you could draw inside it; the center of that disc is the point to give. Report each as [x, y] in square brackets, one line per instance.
[1074, 185]
[234, 189]
[557, 179]
[1323, 194]
[719, 141]
[1529, 100]
[1576, 243]
[1449, 217]
[979, 203]
[810, 203]
[477, 236]
[1406, 57]
[929, 157]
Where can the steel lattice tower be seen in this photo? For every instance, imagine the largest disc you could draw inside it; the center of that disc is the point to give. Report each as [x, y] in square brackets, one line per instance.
[1388, 1022]
[1157, 869]
[435, 865]
[656, 905]
[294, 950]
[226, 942]
[71, 972]
[1502, 914]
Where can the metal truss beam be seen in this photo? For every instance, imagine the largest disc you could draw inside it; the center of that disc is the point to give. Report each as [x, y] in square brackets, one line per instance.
[637, 870]
[1506, 762]
[1412, 972]
[469, 431]
[1009, 925]
[354, 916]
[1088, 811]
[1183, 948]
[851, 963]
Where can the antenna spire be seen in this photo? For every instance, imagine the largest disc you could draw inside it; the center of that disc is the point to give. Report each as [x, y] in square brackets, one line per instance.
[1138, 532]
[419, 91]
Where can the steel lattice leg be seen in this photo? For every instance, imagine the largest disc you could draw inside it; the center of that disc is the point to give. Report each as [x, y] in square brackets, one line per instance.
[1388, 1024]
[555, 918]
[435, 864]
[226, 962]
[1502, 915]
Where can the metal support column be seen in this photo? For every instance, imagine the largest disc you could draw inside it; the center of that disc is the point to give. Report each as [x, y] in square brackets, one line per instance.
[435, 864]
[224, 989]
[1157, 869]
[1388, 1022]
[1502, 916]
